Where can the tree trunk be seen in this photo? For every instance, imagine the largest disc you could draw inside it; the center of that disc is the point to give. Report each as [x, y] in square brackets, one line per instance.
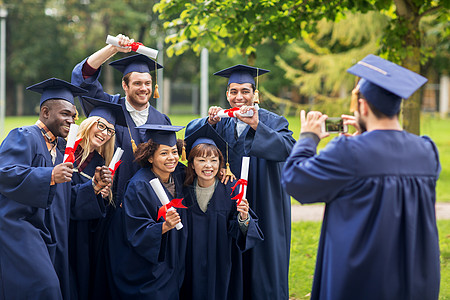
[408, 14]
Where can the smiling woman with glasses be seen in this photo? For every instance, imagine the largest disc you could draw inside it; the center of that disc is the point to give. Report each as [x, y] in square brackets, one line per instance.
[92, 178]
[102, 126]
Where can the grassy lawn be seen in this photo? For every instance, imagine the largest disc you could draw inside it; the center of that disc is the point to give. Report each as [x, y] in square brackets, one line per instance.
[305, 239]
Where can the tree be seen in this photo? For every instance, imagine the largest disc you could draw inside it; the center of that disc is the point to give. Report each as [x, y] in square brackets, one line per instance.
[239, 26]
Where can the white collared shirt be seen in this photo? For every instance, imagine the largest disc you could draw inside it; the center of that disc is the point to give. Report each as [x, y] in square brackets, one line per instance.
[139, 116]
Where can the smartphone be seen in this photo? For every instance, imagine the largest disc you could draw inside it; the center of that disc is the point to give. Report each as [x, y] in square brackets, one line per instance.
[334, 125]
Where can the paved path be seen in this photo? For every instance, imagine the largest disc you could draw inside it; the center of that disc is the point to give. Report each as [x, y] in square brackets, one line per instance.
[314, 212]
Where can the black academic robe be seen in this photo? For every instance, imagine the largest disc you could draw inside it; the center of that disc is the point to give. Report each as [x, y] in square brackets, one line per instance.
[34, 219]
[379, 237]
[81, 232]
[127, 169]
[266, 266]
[146, 264]
[215, 246]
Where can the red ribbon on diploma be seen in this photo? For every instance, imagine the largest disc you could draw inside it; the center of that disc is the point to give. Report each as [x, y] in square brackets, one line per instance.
[241, 182]
[71, 152]
[115, 168]
[231, 111]
[174, 203]
[134, 46]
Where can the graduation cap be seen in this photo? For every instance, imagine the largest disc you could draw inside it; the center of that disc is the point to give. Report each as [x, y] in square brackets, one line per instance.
[206, 134]
[111, 112]
[161, 134]
[137, 63]
[385, 84]
[55, 88]
[243, 74]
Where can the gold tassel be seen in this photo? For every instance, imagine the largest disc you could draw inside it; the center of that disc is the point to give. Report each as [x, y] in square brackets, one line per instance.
[133, 145]
[76, 115]
[229, 173]
[156, 93]
[256, 97]
[183, 154]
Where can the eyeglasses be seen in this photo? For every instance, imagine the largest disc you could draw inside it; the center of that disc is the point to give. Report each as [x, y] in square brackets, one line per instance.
[102, 126]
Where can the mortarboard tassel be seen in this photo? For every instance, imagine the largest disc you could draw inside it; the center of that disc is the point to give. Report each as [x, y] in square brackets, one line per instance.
[133, 143]
[183, 154]
[256, 95]
[156, 92]
[76, 115]
[228, 172]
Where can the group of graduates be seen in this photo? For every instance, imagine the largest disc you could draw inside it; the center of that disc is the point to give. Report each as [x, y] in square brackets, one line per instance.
[85, 229]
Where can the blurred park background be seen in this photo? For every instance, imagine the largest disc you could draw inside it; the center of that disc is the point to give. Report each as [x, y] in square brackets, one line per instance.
[307, 45]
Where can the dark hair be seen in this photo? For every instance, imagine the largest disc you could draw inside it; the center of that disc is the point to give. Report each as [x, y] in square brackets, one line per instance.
[202, 150]
[378, 114]
[146, 150]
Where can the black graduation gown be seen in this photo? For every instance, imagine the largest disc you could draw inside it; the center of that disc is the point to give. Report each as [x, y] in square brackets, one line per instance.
[266, 266]
[124, 173]
[145, 264]
[34, 219]
[379, 237]
[81, 232]
[215, 246]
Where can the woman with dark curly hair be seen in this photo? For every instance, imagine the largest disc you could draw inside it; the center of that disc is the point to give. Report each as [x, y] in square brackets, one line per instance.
[146, 254]
[220, 228]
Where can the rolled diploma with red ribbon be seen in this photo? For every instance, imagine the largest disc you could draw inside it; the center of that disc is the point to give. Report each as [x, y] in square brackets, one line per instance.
[116, 157]
[244, 174]
[71, 139]
[229, 113]
[162, 196]
[112, 40]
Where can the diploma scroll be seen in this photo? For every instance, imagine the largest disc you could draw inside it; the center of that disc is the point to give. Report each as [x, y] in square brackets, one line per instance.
[229, 113]
[242, 182]
[115, 161]
[70, 146]
[137, 47]
[162, 196]
[244, 175]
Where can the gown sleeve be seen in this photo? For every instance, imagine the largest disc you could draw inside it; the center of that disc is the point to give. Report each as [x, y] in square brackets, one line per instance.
[85, 204]
[91, 84]
[272, 139]
[142, 231]
[250, 239]
[22, 179]
[305, 173]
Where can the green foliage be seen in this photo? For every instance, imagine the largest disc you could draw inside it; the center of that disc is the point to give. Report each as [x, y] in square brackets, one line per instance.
[319, 68]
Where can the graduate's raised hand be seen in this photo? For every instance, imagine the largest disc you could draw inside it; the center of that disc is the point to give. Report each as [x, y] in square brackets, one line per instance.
[63, 172]
[172, 219]
[312, 122]
[213, 118]
[242, 208]
[124, 43]
[351, 120]
[252, 121]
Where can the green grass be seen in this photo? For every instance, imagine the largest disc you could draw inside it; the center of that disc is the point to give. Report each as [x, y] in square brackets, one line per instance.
[305, 239]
